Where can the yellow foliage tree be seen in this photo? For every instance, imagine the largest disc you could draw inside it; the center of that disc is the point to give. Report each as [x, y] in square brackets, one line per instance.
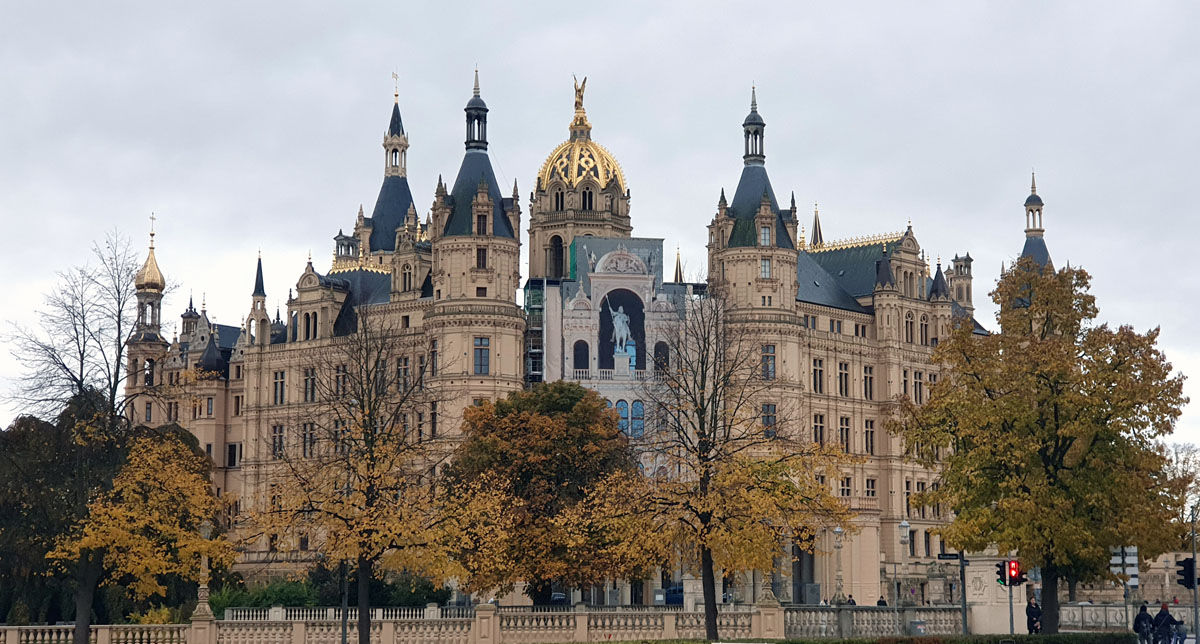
[1049, 432]
[148, 525]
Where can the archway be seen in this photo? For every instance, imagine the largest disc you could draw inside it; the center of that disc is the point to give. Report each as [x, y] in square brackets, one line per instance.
[621, 301]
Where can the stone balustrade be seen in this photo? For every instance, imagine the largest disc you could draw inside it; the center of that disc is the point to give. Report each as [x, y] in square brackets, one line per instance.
[488, 624]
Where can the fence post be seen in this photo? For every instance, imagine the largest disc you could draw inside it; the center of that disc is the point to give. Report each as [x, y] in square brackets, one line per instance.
[387, 632]
[275, 613]
[298, 632]
[203, 630]
[11, 635]
[767, 619]
[845, 621]
[486, 629]
[581, 623]
[432, 611]
[670, 627]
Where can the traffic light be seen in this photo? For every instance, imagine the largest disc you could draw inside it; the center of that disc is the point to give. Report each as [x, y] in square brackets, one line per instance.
[1016, 576]
[1002, 573]
[1187, 573]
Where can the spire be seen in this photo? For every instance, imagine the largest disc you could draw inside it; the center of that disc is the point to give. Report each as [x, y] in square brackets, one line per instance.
[752, 127]
[1035, 244]
[259, 291]
[476, 93]
[581, 129]
[818, 239]
[149, 277]
[678, 267]
[939, 290]
[476, 119]
[883, 272]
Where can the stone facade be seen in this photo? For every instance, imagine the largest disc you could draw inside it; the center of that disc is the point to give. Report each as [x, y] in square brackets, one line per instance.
[846, 325]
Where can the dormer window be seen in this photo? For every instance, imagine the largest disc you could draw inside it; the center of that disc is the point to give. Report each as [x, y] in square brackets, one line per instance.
[764, 236]
[481, 225]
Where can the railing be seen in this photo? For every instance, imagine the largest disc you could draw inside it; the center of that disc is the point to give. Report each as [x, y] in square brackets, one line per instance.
[582, 374]
[605, 374]
[867, 621]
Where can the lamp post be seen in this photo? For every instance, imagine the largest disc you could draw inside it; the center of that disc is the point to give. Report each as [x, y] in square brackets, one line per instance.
[838, 597]
[904, 534]
[203, 610]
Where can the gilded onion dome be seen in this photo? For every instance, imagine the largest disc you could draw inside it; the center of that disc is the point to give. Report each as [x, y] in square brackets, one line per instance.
[149, 278]
[579, 157]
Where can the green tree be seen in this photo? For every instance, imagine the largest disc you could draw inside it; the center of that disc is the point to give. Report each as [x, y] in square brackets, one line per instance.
[1050, 431]
[552, 446]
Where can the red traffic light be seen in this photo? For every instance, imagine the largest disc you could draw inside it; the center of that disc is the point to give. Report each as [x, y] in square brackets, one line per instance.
[1014, 568]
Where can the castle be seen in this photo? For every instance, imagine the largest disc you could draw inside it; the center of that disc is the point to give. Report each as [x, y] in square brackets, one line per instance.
[846, 325]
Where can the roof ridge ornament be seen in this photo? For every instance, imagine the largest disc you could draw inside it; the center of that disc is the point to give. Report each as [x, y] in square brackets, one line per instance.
[476, 90]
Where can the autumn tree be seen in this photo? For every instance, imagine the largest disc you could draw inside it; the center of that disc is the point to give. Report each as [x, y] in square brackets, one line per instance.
[147, 527]
[1050, 430]
[355, 479]
[553, 447]
[735, 474]
[74, 363]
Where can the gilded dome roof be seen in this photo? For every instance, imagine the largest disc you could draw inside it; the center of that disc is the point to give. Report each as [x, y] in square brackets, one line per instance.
[149, 278]
[579, 157]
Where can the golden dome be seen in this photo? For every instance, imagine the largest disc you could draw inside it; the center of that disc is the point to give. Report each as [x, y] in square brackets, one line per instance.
[579, 157]
[149, 278]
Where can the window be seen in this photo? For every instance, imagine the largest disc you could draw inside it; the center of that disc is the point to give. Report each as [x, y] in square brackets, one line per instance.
[919, 387]
[860, 330]
[912, 543]
[208, 408]
[342, 435]
[637, 425]
[433, 416]
[868, 382]
[149, 407]
[555, 257]
[764, 268]
[768, 420]
[279, 381]
[480, 258]
[581, 356]
[818, 376]
[819, 429]
[420, 425]
[303, 542]
[662, 356]
[480, 291]
[908, 328]
[847, 484]
[310, 385]
[924, 331]
[433, 358]
[402, 366]
[233, 451]
[277, 441]
[870, 491]
[844, 433]
[237, 405]
[844, 379]
[308, 440]
[623, 416]
[768, 362]
[480, 224]
[560, 202]
[869, 436]
[764, 236]
[404, 322]
[406, 279]
[904, 382]
[920, 489]
[907, 495]
[835, 326]
[482, 356]
[588, 198]
[237, 371]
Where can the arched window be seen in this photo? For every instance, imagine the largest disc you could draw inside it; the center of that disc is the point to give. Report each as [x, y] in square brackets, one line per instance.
[638, 425]
[924, 331]
[581, 356]
[908, 328]
[295, 325]
[307, 327]
[623, 416]
[588, 199]
[149, 373]
[406, 279]
[395, 158]
[959, 296]
[556, 257]
[560, 200]
[662, 356]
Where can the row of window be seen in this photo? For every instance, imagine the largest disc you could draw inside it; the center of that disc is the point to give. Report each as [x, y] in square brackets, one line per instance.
[845, 438]
[587, 200]
[631, 417]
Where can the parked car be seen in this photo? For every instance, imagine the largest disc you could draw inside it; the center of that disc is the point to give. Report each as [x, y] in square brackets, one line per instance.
[558, 599]
[674, 596]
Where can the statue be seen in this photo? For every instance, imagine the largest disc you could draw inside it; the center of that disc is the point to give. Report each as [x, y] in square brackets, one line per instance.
[620, 334]
[579, 92]
[591, 258]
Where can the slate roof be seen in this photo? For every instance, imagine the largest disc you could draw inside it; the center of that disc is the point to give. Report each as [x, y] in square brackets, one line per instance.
[939, 288]
[746, 199]
[227, 335]
[396, 127]
[365, 287]
[1033, 200]
[815, 285]
[259, 291]
[854, 266]
[1035, 247]
[476, 166]
[391, 208]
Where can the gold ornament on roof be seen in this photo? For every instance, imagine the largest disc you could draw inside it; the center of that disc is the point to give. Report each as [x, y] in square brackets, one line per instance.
[579, 158]
[854, 242]
[149, 278]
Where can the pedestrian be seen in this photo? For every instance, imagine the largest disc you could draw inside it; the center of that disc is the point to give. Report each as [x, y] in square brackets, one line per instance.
[881, 602]
[824, 602]
[850, 601]
[1143, 624]
[1164, 625]
[1033, 617]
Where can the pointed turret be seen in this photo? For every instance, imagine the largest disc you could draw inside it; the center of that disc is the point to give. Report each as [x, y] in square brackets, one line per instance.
[939, 290]
[678, 267]
[1035, 244]
[883, 272]
[818, 239]
[259, 290]
[476, 174]
[150, 285]
[754, 190]
[395, 197]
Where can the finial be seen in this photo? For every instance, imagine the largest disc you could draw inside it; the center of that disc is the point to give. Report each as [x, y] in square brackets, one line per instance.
[151, 230]
[203, 302]
[310, 256]
[1032, 183]
[260, 252]
[477, 80]
[793, 200]
[815, 211]
[396, 82]
[939, 260]
[753, 98]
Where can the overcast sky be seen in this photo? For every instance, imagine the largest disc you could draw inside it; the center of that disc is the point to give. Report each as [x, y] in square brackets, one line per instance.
[258, 125]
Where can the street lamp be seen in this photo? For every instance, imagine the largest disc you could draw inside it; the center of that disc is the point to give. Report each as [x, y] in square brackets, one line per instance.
[202, 608]
[838, 597]
[904, 534]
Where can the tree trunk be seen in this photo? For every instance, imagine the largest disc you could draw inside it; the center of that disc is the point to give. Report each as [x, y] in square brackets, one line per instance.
[708, 582]
[364, 600]
[1072, 586]
[540, 592]
[87, 578]
[1049, 599]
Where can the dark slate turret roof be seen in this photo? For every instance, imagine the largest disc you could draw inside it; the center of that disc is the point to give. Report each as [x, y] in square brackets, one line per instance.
[854, 266]
[1035, 247]
[396, 127]
[390, 210]
[476, 166]
[753, 183]
[1034, 200]
[883, 272]
[259, 291]
[365, 287]
[939, 288]
[815, 285]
